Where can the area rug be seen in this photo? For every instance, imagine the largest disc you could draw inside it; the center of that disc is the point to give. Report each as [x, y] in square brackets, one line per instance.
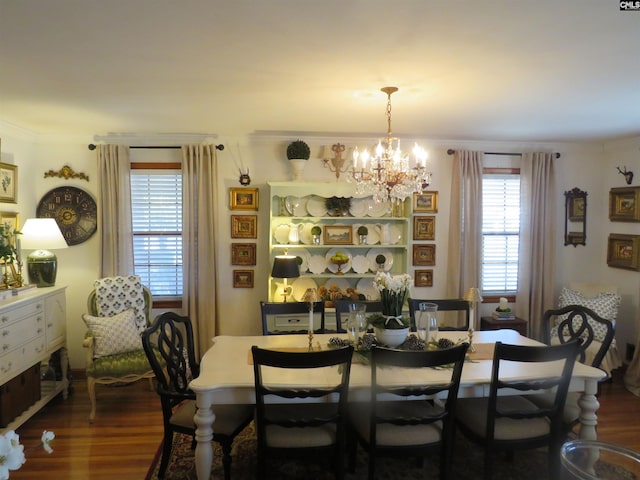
[467, 464]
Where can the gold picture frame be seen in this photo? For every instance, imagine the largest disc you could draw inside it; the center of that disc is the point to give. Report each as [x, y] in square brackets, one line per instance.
[425, 202]
[623, 251]
[338, 235]
[423, 278]
[243, 198]
[243, 279]
[8, 183]
[244, 226]
[624, 204]
[424, 255]
[243, 254]
[424, 228]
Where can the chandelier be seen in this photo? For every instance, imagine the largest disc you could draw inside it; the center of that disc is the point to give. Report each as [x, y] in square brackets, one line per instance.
[389, 173]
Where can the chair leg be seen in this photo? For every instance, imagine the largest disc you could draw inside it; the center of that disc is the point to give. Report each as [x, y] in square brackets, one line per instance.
[91, 388]
[167, 445]
[226, 458]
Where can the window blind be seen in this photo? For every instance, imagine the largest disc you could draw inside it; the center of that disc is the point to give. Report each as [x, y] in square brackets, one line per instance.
[500, 233]
[156, 207]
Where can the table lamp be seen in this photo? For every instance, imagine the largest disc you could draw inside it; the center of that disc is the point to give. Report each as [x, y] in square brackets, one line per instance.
[285, 266]
[473, 296]
[42, 235]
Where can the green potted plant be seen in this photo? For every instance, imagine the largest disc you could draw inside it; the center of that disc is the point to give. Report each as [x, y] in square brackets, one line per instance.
[298, 152]
[316, 231]
[363, 231]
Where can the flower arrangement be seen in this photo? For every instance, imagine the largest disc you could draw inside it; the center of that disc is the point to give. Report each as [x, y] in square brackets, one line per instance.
[12, 452]
[394, 290]
[333, 292]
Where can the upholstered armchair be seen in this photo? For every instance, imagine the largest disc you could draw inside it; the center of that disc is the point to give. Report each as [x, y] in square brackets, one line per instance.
[119, 310]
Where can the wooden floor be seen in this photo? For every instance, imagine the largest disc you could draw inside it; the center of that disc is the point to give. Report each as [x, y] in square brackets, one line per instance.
[128, 429]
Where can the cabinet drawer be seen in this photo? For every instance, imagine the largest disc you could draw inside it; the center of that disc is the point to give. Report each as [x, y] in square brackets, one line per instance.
[26, 355]
[13, 315]
[14, 335]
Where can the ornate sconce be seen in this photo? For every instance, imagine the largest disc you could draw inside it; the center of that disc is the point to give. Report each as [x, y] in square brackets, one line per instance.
[335, 163]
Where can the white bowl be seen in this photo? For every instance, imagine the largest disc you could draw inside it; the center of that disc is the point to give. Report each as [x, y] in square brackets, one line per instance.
[391, 337]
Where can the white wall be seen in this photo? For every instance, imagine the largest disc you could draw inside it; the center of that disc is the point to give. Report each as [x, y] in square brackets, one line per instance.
[588, 167]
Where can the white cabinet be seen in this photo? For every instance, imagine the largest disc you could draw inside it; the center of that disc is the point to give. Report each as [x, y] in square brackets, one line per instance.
[32, 327]
[299, 206]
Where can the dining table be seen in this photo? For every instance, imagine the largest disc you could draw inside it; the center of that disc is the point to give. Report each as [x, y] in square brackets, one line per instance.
[226, 377]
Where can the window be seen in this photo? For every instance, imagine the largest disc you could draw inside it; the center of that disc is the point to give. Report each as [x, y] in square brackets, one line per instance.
[156, 207]
[500, 232]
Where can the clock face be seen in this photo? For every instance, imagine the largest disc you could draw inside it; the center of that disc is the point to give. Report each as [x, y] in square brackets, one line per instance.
[73, 209]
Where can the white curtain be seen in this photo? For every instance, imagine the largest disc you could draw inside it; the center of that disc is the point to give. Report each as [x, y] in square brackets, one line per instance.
[537, 240]
[465, 224]
[114, 210]
[199, 299]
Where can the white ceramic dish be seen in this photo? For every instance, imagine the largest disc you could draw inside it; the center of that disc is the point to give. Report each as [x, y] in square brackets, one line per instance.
[305, 234]
[373, 253]
[332, 267]
[297, 206]
[304, 255]
[378, 209]
[373, 236]
[365, 287]
[317, 264]
[360, 264]
[316, 206]
[359, 207]
[282, 234]
[299, 287]
[395, 234]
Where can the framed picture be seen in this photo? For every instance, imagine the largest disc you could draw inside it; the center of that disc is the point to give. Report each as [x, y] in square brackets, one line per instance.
[8, 183]
[624, 204]
[623, 251]
[424, 228]
[244, 226]
[424, 255]
[243, 254]
[425, 202]
[576, 209]
[243, 279]
[338, 235]
[10, 218]
[423, 278]
[243, 198]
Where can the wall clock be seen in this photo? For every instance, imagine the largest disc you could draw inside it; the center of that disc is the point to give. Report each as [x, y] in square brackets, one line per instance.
[73, 209]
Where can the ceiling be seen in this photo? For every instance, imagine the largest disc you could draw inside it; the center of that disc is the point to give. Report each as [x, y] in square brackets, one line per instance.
[543, 70]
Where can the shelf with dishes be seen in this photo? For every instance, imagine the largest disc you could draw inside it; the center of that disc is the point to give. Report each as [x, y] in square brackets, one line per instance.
[330, 206]
[347, 233]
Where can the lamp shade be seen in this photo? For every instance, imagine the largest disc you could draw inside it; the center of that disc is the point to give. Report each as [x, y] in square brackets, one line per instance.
[473, 295]
[285, 266]
[42, 235]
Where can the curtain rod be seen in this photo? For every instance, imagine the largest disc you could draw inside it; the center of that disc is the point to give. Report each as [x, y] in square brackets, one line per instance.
[451, 151]
[91, 146]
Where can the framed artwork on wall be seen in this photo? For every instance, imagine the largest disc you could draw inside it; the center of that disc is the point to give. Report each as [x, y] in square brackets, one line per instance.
[425, 202]
[243, 198]
[243, 279]
[623, 251]
[338, 235]
[244, 226]
[8, 183]
[424, 255]
[243, 254]
[423, 278]
[624, 204]
[424, 227]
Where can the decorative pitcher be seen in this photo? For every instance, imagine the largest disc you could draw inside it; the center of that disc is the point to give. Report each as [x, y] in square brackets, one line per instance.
[294, 232]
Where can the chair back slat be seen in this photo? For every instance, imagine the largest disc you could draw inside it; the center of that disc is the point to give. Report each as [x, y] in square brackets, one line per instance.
[444, 305]
[342, 307]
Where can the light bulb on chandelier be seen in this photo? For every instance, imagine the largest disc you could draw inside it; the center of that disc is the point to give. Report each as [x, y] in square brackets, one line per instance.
[389, 173]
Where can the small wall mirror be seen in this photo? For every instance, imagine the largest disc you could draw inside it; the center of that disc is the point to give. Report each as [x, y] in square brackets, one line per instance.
[575, 217]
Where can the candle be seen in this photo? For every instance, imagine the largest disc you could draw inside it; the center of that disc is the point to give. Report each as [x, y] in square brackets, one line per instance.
[311, 317]
[504, 303]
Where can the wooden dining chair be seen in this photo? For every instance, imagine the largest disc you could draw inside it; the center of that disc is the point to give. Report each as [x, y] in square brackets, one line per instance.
[459, 321]
[512, 422]
[410, 425]
[169, 346]
[294, 317]
[595, 335]
[301, 429]
[342, 307]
